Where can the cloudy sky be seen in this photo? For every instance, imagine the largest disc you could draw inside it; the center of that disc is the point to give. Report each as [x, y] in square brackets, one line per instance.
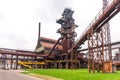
[19, 20]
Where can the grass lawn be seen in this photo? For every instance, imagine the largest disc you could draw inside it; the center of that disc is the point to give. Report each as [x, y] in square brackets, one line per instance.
[79, 74]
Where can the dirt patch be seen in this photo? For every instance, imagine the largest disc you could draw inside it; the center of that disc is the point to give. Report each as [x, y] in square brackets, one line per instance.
[44, 77]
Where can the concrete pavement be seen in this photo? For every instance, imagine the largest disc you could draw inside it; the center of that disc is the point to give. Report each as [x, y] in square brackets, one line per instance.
[15, 75]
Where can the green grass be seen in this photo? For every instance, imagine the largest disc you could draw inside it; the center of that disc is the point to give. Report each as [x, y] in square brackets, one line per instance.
[79, 74]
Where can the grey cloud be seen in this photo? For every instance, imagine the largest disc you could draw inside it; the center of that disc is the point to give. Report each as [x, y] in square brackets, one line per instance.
[13, 40]
[48, 10]
[2, 17]
[57, 5]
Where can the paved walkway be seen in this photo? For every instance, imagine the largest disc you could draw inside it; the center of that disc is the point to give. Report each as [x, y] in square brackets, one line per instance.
[15, 75]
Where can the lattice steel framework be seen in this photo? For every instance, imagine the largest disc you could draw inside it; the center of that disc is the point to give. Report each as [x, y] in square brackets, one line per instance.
[95, 51]
[106, 36]
[67, 31]
[99, 49]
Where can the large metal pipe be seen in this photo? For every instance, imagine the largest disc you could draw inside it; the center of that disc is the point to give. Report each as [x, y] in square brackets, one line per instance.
[108, 13]
[20, 53]
[51, 50]
[39, 30]
[38, 42]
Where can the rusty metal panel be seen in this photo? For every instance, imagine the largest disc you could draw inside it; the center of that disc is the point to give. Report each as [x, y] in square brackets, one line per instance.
[65, 46]
[107, 67]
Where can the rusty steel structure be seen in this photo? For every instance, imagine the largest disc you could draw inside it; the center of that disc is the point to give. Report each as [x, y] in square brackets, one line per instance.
[97, 35]
[66, 52]
[67, 32]
[106, 35]
[14, 56]
[99, 55]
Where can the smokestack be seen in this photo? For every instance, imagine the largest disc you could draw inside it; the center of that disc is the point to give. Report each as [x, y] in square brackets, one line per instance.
[39, 31]
[38, 42]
